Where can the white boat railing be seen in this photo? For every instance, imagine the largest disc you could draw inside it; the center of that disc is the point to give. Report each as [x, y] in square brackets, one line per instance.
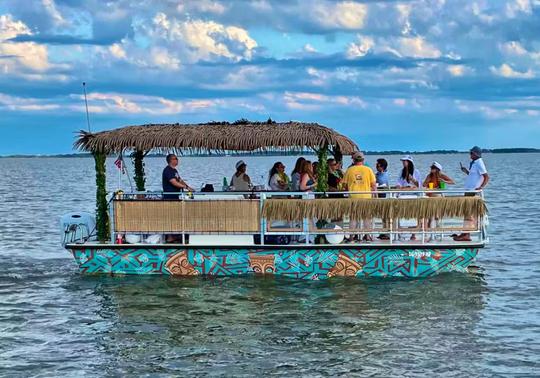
[308, 231]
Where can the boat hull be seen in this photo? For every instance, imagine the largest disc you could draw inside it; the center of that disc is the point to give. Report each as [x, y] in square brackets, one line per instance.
[310, 263]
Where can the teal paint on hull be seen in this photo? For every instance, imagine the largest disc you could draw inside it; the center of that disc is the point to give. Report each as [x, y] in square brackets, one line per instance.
[301, 263]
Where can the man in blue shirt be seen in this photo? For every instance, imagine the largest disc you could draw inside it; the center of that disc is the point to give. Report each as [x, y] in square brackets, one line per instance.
[172, 183]
[381, 176]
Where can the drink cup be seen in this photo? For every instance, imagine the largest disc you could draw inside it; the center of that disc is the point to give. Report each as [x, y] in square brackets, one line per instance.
[430, 185]
[442, 185]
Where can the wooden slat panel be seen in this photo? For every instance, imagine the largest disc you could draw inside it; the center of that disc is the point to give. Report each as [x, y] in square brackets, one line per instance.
[187, 216]
[222, 216]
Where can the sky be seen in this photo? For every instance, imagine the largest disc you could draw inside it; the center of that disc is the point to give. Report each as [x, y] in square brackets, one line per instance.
[392, 75]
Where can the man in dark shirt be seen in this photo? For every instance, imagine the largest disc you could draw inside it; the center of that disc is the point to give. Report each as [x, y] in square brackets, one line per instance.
[172, 183]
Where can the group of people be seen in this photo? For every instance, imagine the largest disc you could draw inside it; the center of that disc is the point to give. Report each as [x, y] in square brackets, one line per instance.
[357, 178]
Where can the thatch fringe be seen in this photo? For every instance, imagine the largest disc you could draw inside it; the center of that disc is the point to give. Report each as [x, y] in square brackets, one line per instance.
[215, 136]
[439, 207]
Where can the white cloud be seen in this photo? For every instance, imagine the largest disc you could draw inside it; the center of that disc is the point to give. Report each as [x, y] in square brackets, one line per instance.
[21, 56]
[56, 16]
[313, 101]
[9, 28]
[418, 47]
[205, 6]
[14, 103]
[309, 48]
[515, 7]
[505, 70]
[459, 70]
[205, 38]
[513, 48]
[117, 51]
[415, 47]
[343, 15]
[360, 48]
[175, 41]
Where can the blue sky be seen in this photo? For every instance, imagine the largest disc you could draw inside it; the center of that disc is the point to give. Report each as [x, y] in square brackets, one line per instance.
[409, 75]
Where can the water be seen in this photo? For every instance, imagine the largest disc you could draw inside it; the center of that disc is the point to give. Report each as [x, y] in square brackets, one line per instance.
[55, 322]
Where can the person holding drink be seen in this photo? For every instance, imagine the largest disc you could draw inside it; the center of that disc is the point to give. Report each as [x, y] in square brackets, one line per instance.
[436, 179]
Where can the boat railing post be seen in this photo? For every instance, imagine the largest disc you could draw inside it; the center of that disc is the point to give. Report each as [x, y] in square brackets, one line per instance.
[305, 221]
[112, 231]
[262, 198]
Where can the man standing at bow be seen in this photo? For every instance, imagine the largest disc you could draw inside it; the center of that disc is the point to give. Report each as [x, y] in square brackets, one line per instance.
[477, 179]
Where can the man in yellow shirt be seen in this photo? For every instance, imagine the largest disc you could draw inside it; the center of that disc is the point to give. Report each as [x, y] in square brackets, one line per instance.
[360, 178]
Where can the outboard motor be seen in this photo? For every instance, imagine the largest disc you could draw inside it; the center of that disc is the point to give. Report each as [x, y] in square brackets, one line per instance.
[77, 227]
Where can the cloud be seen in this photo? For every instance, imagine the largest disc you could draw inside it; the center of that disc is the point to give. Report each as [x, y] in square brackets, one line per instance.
[413, 47]
[56, 16]
[343, 15]
[459, 70]
[313, 101]
[417, 47]
[25, 56]
[361, 47]
[166, 42]
[14, 103]
[515, 7]
[505, 70]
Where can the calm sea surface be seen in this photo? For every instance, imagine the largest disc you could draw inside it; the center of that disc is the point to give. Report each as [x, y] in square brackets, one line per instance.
[55, 322]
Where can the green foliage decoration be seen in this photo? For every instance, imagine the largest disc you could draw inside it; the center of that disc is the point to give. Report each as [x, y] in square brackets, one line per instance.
[137, 157]
[102, 215]
[322, 170]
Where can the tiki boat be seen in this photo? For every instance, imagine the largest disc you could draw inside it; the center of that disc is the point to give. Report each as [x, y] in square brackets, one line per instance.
[299, 235]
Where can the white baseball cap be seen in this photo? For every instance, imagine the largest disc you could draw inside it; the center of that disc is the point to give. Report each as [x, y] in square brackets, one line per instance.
[408, 158]
[240, 163]
[437, 165]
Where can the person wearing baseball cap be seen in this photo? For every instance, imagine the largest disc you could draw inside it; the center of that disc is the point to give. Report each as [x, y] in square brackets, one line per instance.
[240, 181]
[359, 178]
[410, 177]
[477, 179]
[436, 177]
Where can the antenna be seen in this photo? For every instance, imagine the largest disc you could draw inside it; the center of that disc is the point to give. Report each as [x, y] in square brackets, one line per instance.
[86, 104]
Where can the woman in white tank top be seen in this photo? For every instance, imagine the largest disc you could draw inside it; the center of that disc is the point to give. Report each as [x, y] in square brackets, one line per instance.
[240, 181]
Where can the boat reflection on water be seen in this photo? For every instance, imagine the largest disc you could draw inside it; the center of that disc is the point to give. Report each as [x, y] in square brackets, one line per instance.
[267, 324]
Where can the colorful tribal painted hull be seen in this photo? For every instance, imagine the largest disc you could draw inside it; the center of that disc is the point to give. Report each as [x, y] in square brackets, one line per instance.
[302, 263]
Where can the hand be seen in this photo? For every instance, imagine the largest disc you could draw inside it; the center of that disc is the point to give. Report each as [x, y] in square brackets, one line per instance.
[479, 188]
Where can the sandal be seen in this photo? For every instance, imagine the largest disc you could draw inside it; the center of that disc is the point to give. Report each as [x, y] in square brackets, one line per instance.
[413, 237]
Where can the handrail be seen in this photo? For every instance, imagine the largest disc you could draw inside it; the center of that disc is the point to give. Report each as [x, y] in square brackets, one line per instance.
[308, 193]
[307, 228]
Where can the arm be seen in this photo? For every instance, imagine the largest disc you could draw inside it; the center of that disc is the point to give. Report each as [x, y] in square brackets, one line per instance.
[447, 179]
[425, 184]
[303, 183]
[413, 181]
[247, 179]
[485, 181]
[181, 184]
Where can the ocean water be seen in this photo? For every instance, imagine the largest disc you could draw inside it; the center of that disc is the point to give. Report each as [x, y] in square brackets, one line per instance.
[56, 322]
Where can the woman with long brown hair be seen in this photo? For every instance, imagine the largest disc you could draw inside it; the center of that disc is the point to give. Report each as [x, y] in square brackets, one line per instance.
[307, 178]
[295, 174]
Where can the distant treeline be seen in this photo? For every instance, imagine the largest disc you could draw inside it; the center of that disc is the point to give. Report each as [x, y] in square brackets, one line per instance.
[299, 152]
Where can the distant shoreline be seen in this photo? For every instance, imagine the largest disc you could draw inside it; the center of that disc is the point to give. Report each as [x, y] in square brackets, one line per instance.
[286, 153]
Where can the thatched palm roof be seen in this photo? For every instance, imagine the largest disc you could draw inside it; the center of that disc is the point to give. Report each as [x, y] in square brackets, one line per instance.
[223, 136]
